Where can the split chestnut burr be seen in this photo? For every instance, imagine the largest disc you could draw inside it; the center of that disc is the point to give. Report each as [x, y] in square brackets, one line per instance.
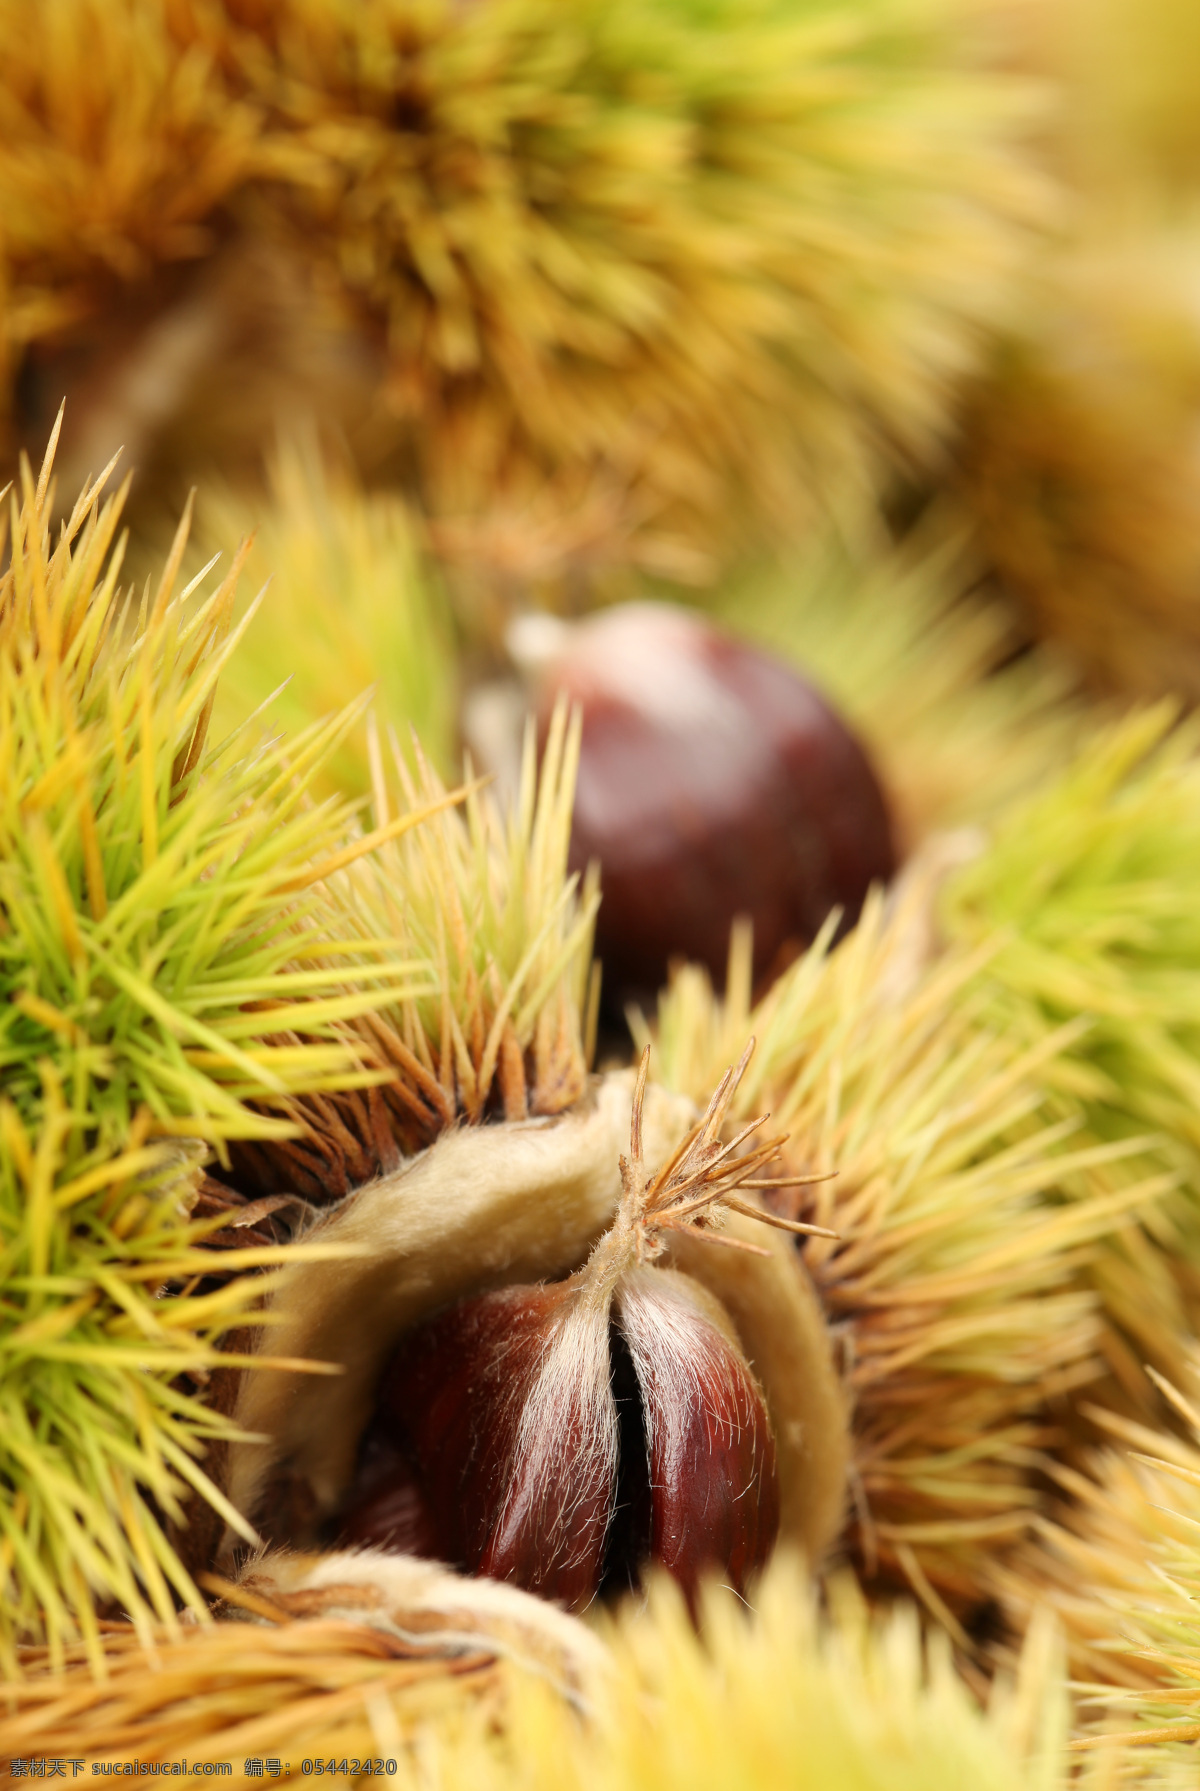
[561, 1435]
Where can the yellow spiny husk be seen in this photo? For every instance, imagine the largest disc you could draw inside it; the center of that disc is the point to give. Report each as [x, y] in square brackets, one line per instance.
[1079, 454]
[965, 1221]
[1079, 459]
[615, 253]
[1118, 1566]
[776, 1696]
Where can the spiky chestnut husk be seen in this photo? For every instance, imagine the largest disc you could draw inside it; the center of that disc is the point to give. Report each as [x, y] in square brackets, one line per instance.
[343, 1652]
[714, 782]
[363, 1654]
[1086, 887]
[179, 335]
[188, 950]
[1078, 449]
[159, 891]
[1078, 457]
[1119, 1569]
[508, 1027]
[635, 245]
[966, 1223]
[1114, 1559]
[499, 1209]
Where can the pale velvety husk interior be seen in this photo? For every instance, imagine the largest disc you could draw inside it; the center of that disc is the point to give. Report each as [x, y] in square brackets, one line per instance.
[420, 1601]
[493, 1206]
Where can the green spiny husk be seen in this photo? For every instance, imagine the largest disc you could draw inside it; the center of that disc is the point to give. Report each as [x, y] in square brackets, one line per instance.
[1086, 890]
[780, 1696]
[1078, 447]
[617, 213]
[1118, 1567]
[354, 606]
[489, 901]
[158, 897]
[155, 887]
[1080, 901]
[194, 949]
[107, 1322]
[1111, 1554]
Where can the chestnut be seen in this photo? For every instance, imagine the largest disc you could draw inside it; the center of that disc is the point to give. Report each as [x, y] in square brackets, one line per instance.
[714, 782]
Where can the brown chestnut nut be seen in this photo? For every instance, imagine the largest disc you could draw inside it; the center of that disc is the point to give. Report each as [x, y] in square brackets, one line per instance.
[714, 782]
[560, 1435]
[506, 1408]
[390, 1508]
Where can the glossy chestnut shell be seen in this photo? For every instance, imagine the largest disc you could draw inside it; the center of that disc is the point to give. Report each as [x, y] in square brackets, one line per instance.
[714, 782]
[531, 1435]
